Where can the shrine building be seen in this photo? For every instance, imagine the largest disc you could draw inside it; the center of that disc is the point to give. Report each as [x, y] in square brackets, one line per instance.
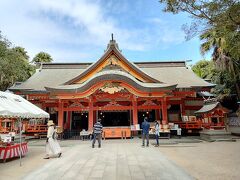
[118, 91]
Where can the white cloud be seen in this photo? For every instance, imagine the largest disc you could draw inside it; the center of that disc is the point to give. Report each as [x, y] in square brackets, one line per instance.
[166, 33]
[62, 26]
[27, 23]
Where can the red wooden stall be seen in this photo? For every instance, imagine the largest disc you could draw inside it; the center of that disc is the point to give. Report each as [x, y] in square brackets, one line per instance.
[12, 151]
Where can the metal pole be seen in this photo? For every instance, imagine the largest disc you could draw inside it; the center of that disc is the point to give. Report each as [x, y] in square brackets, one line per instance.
[20, 136]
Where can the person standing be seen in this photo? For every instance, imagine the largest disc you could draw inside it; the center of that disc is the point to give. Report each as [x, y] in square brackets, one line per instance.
[52, 146]
[145, 131]
[97, 133]
[157, 131]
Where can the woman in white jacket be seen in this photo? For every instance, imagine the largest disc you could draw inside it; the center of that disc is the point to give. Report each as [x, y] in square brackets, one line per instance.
[52, 146]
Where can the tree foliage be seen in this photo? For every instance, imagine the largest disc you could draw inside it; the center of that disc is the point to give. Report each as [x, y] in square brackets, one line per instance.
[204, 69]
[217, 22]
[14, 65]
[219, 18]
[21, 51]
[42, 57]
[225, 84]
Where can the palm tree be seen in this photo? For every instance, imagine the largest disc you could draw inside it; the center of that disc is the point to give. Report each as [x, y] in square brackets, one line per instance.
[204, 69]
[223, 62]
[42, 57]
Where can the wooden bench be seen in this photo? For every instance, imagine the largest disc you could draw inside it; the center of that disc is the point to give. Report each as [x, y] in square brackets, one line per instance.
[217, 127]
[163, 135]
[40, 136]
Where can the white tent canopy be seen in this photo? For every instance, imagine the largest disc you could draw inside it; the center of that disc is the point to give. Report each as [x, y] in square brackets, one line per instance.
[14, 106]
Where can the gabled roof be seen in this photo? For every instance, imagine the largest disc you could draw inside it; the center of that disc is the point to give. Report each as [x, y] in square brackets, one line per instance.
[56, 74]
[210, 106]
[113, 75]
[64, 75]
[112, 49]
[206, 94]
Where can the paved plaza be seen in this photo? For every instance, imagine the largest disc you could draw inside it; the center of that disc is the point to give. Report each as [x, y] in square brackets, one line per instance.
[117, 159]
[126, 159]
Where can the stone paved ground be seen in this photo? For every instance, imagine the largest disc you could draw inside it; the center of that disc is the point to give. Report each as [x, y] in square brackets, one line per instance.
[117, 159]
[207, 160]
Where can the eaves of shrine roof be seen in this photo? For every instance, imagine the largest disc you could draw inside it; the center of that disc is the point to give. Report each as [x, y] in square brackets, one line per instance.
[209, 107]
[113, 75]
[56, 74]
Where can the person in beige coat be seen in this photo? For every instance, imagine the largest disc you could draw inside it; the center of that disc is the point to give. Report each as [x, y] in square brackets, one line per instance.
[52, 145]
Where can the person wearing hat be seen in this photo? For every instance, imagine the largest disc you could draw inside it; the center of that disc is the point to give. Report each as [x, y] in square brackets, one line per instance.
[145, 131]
[52, 146]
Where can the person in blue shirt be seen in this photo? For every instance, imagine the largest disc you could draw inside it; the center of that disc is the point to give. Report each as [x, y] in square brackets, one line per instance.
[145, 131]
[97, 133]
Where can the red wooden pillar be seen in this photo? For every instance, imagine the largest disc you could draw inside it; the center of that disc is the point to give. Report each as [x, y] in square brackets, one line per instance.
[94, 117]
[43, 106]
[12, 124]
[164, 111]
[183, 107]
[135, 111]
[157, 114]
[69, 116]
[90, 115]
[60, 114]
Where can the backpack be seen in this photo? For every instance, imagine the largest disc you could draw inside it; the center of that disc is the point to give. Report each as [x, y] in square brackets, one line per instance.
[54, 135]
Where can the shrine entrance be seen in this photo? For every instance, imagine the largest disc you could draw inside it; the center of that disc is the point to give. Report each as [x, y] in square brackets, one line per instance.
[79, 120]
[115, 118]
[150, 114]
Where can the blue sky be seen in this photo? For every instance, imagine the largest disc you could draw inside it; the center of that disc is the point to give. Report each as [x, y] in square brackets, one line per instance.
[79, 30]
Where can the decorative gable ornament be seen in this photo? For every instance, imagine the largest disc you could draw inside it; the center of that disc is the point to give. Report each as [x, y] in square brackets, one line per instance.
[111, 88]
[77, 104]
[113, 60]
[149, 103]
[112, 103]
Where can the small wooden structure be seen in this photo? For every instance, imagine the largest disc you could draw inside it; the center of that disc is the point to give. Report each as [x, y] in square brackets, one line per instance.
[117, 132]
[35, 126]
[16, 107]
[212, 115]
[12, 151]
[6, 125]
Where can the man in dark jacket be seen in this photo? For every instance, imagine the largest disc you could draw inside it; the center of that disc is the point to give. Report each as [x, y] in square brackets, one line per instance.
[97, 133]
[145, 131]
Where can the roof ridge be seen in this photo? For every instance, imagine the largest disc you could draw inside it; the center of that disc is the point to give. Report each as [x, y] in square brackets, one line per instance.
[136, 64]
[112, 49]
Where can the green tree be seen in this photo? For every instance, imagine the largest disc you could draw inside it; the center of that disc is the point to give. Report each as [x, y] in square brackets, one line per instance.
[225, 84]
[42, 57]
[221, 17]
[13, 65]
[218, 24]
[23, 56]
[223, 60]
[204, 69]
[21, 52]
